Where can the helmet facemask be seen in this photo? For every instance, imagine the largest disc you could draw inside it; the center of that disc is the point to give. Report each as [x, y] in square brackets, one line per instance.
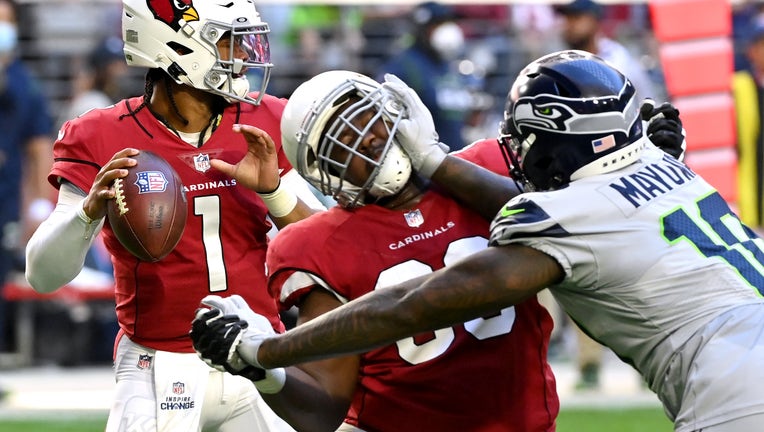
[231, 78]
[511, 150]
[344, 135]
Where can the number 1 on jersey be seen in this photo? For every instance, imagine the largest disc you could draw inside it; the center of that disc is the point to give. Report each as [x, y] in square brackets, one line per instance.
[208, 207]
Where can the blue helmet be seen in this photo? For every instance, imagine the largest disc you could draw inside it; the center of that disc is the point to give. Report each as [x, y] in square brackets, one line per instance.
[569, 115]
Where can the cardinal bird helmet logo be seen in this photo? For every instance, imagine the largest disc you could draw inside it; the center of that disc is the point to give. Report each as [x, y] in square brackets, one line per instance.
[171, 12]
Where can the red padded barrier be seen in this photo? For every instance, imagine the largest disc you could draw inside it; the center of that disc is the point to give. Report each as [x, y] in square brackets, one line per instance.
[675, 20]
[718, 167]
[709, 120]
[693, 67]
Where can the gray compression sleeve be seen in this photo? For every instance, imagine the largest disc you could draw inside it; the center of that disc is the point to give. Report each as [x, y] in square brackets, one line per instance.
[56, 252]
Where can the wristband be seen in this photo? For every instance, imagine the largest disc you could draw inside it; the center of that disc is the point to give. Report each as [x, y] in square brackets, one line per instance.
[280, 202]
[273, 382]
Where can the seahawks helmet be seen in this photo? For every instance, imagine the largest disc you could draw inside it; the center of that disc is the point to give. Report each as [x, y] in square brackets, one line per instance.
[569, 115]
[321, 117]
[181, 36]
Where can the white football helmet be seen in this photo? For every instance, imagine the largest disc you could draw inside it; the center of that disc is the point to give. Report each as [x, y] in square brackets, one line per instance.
[180, 37]
[320, 112]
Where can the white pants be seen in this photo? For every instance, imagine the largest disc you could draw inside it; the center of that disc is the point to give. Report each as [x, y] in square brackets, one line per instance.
[229, 403]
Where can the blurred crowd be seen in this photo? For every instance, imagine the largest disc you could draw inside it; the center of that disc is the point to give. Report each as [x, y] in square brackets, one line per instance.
[459, 58]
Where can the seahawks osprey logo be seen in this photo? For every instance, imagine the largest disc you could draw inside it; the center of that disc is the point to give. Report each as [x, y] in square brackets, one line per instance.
[553, 114]
[171, 12]
[542, 113]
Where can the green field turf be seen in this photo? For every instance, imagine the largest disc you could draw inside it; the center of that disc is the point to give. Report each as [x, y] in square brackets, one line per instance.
[620, 420]
[570, 420]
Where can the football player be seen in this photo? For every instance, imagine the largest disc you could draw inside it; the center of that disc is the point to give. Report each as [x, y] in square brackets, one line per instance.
[490, 373]
[200, 57]
[636, 247]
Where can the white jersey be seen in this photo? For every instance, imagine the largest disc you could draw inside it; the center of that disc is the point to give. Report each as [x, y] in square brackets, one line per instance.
[659, 269]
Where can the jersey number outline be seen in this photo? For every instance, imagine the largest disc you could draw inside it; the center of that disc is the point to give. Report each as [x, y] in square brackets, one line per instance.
[714, 231]
[481, 328]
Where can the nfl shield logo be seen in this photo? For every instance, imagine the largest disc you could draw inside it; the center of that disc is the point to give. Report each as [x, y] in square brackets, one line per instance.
[202, 162]
[144, 361]
[151, 181]
[178, 388]
[414, 218]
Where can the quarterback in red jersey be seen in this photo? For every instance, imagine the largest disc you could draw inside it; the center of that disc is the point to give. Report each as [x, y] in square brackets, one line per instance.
[488, 374]
[194, 115]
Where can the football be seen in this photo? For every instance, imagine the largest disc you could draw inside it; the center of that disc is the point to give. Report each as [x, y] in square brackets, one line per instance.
[148, 213]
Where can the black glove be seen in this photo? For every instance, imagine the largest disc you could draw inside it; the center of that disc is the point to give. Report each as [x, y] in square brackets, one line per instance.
[215, 337]
[664, 127]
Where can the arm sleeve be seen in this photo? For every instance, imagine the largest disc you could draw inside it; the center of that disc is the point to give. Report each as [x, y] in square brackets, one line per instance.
[56, 252]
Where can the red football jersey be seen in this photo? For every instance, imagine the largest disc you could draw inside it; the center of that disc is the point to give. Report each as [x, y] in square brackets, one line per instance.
[488, 374]
[222, 250]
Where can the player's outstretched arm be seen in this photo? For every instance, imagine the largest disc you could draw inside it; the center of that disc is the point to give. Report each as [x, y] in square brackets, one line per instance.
[477, 286]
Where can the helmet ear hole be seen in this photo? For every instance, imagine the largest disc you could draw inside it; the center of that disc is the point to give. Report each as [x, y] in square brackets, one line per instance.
[179, 48]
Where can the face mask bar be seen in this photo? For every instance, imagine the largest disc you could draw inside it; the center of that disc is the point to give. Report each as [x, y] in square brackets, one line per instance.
[229, 78]
[343, 126]
[510, 150]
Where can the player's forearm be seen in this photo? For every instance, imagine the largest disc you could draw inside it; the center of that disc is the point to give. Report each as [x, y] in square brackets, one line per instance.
[477, 188]
[478, 286]
[56, 252]
[368, 322]
[334, 333]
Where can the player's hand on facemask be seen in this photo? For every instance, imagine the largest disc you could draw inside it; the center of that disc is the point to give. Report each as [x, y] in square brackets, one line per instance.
[229, 334]
[664, 127]
[416, 132]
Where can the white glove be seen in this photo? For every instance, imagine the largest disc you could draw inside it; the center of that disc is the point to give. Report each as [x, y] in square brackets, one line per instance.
[258, 328]
[416, 132]
[215, 338]
[243, 351]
